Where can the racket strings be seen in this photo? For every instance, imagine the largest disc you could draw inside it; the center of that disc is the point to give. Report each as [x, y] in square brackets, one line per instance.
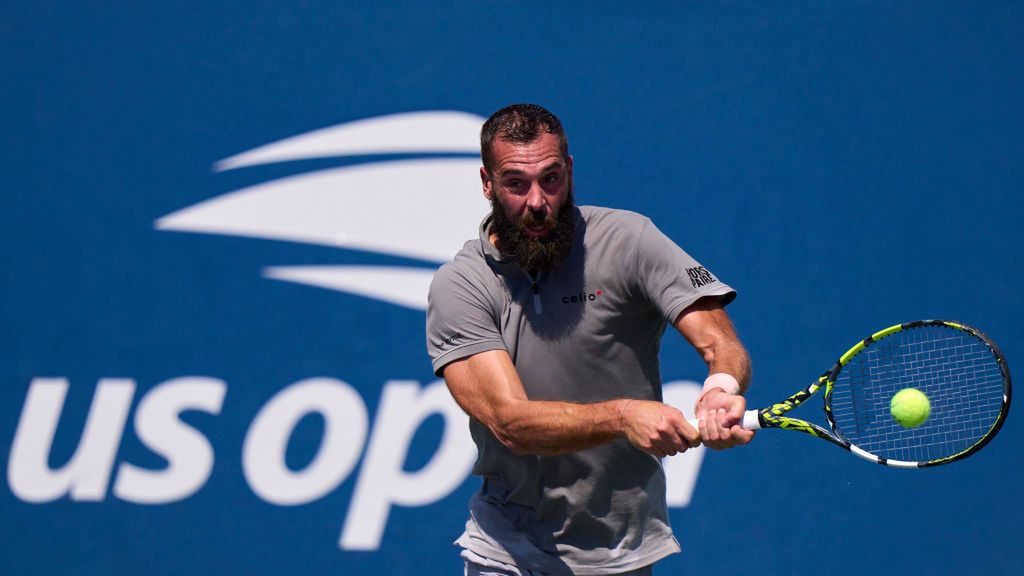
[958, 373]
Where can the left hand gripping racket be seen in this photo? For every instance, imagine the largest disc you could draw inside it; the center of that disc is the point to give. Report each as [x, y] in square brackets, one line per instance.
[959, 369]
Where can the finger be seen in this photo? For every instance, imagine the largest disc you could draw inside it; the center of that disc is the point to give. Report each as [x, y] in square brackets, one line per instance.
[702, 428]
[710, 434]
[736, 408]
[664, 441]
[725, 433]
[672, 441]
[709, 431]
[653, 450]
[741, 436]
[715, 424]
[689, 434]
[660, 450]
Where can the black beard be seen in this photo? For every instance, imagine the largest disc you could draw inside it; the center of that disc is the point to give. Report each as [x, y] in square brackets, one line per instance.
[535, 254]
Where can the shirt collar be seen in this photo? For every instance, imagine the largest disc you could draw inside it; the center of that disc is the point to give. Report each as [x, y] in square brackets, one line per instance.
[485, 240]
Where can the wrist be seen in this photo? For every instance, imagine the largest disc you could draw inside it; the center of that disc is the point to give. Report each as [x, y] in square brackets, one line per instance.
[717, 383]
[623, 413]
[727, 382]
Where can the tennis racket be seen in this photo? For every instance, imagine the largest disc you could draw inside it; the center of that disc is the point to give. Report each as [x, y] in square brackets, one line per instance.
[959, 369]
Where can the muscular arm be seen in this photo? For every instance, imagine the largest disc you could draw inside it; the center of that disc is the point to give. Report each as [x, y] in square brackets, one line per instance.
[488, 388]
[706, 326]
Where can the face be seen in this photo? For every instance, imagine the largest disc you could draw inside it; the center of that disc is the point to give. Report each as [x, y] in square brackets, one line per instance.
[530, 190]
[531, 182]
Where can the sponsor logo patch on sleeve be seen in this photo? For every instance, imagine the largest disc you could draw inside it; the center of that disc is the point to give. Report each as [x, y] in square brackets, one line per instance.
[699, 276]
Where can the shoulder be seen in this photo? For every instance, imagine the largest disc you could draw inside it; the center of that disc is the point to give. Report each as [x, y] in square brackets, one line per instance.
[601, 216]
[467, 274]
[609, 228]
[466, 264]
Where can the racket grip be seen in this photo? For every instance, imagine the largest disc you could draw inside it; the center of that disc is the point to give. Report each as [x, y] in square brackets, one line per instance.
[749, 422]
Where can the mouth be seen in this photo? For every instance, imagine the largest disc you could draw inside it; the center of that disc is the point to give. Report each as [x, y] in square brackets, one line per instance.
[536, 231]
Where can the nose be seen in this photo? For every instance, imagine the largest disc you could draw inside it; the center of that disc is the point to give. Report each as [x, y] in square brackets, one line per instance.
[535, 199]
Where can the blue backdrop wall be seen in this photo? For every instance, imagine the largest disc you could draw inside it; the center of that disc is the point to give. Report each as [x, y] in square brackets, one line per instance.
[218, 221]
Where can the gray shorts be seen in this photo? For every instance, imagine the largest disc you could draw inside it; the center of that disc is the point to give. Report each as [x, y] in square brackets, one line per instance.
[477, 565]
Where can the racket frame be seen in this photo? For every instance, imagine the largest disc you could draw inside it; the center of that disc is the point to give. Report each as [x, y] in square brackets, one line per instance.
[774, 415]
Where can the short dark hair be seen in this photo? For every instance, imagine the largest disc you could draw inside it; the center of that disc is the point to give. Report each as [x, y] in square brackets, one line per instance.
[520, 123]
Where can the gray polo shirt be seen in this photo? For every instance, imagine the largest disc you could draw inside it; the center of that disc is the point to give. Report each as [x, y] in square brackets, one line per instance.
[587, 331]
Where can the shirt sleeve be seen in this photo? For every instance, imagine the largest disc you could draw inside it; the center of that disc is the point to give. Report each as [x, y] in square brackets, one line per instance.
[671, 278]
[461, 321]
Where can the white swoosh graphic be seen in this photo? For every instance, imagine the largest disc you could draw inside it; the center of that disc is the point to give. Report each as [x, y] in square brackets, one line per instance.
[423, 209]
[403, 286]
[433, 131]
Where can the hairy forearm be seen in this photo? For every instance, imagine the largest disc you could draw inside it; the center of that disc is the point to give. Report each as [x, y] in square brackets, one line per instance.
[487, 387]
[707, 327]
[553, 428]
[730, 357]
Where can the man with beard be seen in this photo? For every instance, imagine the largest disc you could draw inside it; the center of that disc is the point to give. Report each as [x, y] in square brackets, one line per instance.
[547, 330]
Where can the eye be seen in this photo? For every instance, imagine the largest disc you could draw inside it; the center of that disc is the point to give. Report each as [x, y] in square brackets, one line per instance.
[552, 178]
[513, 184]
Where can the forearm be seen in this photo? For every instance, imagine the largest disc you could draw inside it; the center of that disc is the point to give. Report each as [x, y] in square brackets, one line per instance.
[553, 428]
[487, 387]
[730, 357]
[720, 407]
[707, 327]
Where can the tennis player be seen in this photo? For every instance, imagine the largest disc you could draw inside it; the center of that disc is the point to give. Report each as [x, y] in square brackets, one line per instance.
[547, 330]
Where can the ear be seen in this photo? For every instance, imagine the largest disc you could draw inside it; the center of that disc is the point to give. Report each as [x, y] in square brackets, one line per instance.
[485, 179]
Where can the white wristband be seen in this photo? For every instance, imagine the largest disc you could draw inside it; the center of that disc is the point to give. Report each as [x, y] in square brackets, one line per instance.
[720, 380]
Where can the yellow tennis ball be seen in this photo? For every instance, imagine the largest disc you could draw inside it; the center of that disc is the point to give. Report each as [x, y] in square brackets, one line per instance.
[910, 407]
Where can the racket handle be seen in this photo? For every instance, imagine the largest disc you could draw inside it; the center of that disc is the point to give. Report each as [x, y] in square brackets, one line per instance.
[749, 422]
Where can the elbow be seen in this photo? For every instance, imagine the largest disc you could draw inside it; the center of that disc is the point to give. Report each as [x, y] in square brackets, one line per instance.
[504, 427]
[516, 447]
[510, 441]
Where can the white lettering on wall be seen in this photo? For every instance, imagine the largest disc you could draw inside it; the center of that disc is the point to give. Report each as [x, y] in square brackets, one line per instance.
[187, 451]
[382, 480]
[263, 455]
[87, 473]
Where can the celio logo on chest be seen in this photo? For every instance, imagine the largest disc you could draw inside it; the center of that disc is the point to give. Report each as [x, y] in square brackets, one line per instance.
[582, 297]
